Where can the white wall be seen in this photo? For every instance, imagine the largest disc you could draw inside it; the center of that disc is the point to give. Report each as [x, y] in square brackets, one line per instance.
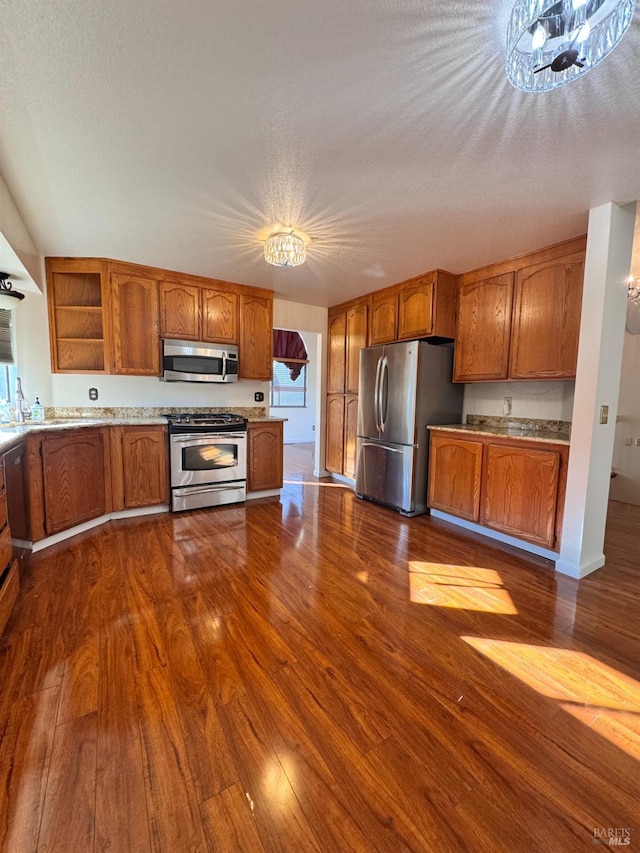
[16, 239]
[626, 457]
[551, 401]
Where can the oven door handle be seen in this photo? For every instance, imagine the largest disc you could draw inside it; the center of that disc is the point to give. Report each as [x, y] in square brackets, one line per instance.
[206, 436]
[195, 490]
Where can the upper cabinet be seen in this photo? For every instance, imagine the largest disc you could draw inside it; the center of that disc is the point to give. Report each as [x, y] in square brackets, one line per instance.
[421, 307]
[520, 319]
[108, 317]
[136, 347]
[255, 359]
[78, 297]
[198, 313]
[347, 336]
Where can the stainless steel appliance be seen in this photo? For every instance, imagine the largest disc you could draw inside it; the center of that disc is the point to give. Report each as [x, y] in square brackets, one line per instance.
[403, 387]
[207, 460]
[191, 361]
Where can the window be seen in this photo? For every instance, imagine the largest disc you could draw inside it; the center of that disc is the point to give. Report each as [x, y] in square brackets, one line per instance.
[8, 370]
[287, 392]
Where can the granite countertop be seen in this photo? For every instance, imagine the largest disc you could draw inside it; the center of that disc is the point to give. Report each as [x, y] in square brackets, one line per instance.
[551, 436]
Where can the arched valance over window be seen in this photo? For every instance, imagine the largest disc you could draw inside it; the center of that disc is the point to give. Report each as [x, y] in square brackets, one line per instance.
[289, 348]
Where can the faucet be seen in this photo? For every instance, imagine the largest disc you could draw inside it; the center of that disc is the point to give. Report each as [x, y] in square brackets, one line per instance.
[20, 402]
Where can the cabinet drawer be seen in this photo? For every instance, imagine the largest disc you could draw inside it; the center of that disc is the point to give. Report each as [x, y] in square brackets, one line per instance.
[8, 594]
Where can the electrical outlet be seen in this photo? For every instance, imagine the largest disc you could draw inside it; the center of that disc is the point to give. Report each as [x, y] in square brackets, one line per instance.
[637, 442]
[506, 406]
[628, 442]
[93, 394]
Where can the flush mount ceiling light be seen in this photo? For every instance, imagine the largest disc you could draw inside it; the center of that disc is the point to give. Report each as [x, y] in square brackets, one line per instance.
[551, 43]
[285, 249]
[9, 297]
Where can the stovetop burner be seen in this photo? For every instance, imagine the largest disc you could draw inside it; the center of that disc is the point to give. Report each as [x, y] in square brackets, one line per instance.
[206, 419]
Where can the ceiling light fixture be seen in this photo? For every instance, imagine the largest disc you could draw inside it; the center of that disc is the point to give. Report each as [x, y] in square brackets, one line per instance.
[9, 297]
[551, 42]
[285, 249]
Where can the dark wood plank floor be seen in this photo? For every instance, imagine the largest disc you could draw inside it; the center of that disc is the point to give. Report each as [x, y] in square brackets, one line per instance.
[318, 673]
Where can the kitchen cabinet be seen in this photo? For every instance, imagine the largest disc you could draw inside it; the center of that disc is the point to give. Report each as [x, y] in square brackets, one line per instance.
[198, 313]
[455, 467]
[356, 339]
[422, 307]
[69, 479]
[337, 353]
[265, 448]
[139, 461]
[520, 319]
[78, 303]
[546, 319]
[9, 577]
[134, 315]
[334, 450]
[255, 357]
[16, 491]
[350, 435]
[514, 486]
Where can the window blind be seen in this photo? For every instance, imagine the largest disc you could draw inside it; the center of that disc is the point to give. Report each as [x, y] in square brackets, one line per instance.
[6, 346]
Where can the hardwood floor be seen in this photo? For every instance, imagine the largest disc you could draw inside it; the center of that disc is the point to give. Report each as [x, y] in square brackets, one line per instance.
[318, 673]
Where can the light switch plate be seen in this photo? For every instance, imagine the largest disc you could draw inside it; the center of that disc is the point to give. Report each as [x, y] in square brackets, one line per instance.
[604, 414]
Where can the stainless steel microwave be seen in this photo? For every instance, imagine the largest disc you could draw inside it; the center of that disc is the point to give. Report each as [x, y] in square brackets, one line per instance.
[193, 361]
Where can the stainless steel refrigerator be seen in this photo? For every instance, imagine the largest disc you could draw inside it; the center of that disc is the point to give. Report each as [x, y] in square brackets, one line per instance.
[403, 387]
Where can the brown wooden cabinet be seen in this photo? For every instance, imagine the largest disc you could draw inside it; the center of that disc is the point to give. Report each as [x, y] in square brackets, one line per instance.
[256, 336]
[455, 467]
[350, 435]
[265, 449]
[356, 339]
[9, 577]
[520, 319]
[337, 353]
[78, 301]
[198, 313]
[520, 491]
[334, 450]
[139, 459]
[134, 312]
[546, 319]
[68, 478]
[514, 486]
[383, 316]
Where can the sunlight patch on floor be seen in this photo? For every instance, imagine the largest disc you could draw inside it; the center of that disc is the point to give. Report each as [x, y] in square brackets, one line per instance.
[315, 483]
[459, 587]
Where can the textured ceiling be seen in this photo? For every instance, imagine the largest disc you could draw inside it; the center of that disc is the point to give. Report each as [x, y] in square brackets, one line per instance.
[177, 133]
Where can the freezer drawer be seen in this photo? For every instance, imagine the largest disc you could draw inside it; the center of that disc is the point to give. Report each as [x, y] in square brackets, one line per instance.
[385, 474]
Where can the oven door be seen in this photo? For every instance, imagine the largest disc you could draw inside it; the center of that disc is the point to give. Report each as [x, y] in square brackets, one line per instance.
[198, 459]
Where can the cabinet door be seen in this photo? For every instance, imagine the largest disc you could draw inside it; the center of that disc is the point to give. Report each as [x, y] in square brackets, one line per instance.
[219, 316]
[356, 339]
[335, 433]
[73, 476]
[134, 310]
[383, 317]
[484, 330]
[520, 492]
[264, 456]
[455, 467]
[140, 475]
[15, 475]
[415, 306]
[179, 311]
[256, 331]
[337, 354]
[546, 320]
[350, 435]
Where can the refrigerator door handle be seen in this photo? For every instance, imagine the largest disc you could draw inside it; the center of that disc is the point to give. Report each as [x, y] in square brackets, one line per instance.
[376, 394]
[388, 449]
[384, 393]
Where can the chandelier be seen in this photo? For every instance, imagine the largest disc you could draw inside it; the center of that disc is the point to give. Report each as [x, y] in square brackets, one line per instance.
[9, 297]
[285, 249]
[551, 42]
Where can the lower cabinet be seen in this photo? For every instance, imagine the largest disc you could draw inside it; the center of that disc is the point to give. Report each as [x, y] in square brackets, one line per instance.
[265, 447]
[514, 486]
[139, 461]
[9, 577]
[68, 473]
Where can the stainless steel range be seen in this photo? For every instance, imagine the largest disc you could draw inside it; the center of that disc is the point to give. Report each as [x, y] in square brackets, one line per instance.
[207, 460]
